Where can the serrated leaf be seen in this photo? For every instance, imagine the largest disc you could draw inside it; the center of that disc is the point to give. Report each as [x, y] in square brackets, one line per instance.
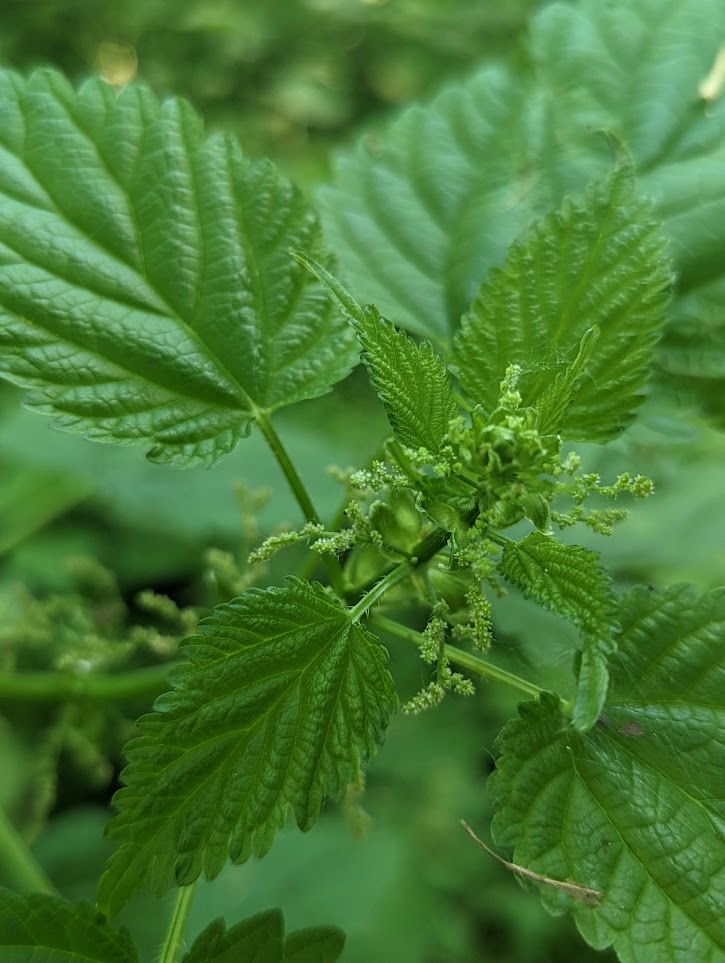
[146, 293]
[38, 926]
[569, 581]
[410, 379]
[258, 939]
[417, 220]
[552, 407]
[420, 217]
[282, 695]
[261, 939]
[597, 263]
[633, 808]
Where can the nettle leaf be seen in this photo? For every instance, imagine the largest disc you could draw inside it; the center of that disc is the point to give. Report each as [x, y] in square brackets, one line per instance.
[420, 213]
[281, 697]
[640, 69]
[410, 379]
[596, 264]
[258, 939]
[569, 581]
[261, 939]
[146, 293]
[634, 808]
[552, 407]
[38, 926]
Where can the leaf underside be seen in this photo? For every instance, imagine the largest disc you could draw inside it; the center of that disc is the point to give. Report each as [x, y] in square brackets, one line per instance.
[419, 217]
[633, 808]
[146, 290]
[39, 927]
[281, 698]
[596, 264]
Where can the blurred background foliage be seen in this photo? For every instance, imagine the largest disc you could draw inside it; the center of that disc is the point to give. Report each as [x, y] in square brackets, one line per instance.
[290, 77]
[84, 528]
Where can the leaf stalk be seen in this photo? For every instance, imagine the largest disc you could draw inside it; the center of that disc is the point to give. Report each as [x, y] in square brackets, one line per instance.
[177, 924]
[334, 570]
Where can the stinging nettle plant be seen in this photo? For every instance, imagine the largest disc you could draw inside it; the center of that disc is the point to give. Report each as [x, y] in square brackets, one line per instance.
[158, 288]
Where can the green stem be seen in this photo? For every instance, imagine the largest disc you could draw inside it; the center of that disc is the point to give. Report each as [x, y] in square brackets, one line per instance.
[288, 469]
[474, 663]
[175, 934]
[65, 686]
[399, 573]
[466, 660]
[334, 571]
[422, 553]
[18, 866]
[499, 539]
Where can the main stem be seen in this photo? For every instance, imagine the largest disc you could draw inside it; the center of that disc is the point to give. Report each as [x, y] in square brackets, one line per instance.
[177, 924]
[17, 864]
[334, 571]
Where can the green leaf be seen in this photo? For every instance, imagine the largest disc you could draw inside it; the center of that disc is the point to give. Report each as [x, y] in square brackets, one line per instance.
[569, 581]
[598, 263]
[146, 293]
[634, 808]
[554, 404]
[647, 90]
[40, 927]
[261, 939]
[280, 699]
[417, 221]
[258, 939]
[410, 379]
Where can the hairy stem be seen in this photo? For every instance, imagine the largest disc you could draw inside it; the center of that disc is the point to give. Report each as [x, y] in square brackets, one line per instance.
[499, 539]
[334, 571]
[420, 554]
[18, 867]
[399, 573]
[467, 660]
[96, 687]
[177, 924]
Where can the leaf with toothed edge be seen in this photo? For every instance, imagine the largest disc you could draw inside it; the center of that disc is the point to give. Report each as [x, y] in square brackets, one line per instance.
[279, 700]
[410, 379]
[261, 939]
[37, 927]
[147, 295]
[423, 210]
[595, 266]
[633, 808]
